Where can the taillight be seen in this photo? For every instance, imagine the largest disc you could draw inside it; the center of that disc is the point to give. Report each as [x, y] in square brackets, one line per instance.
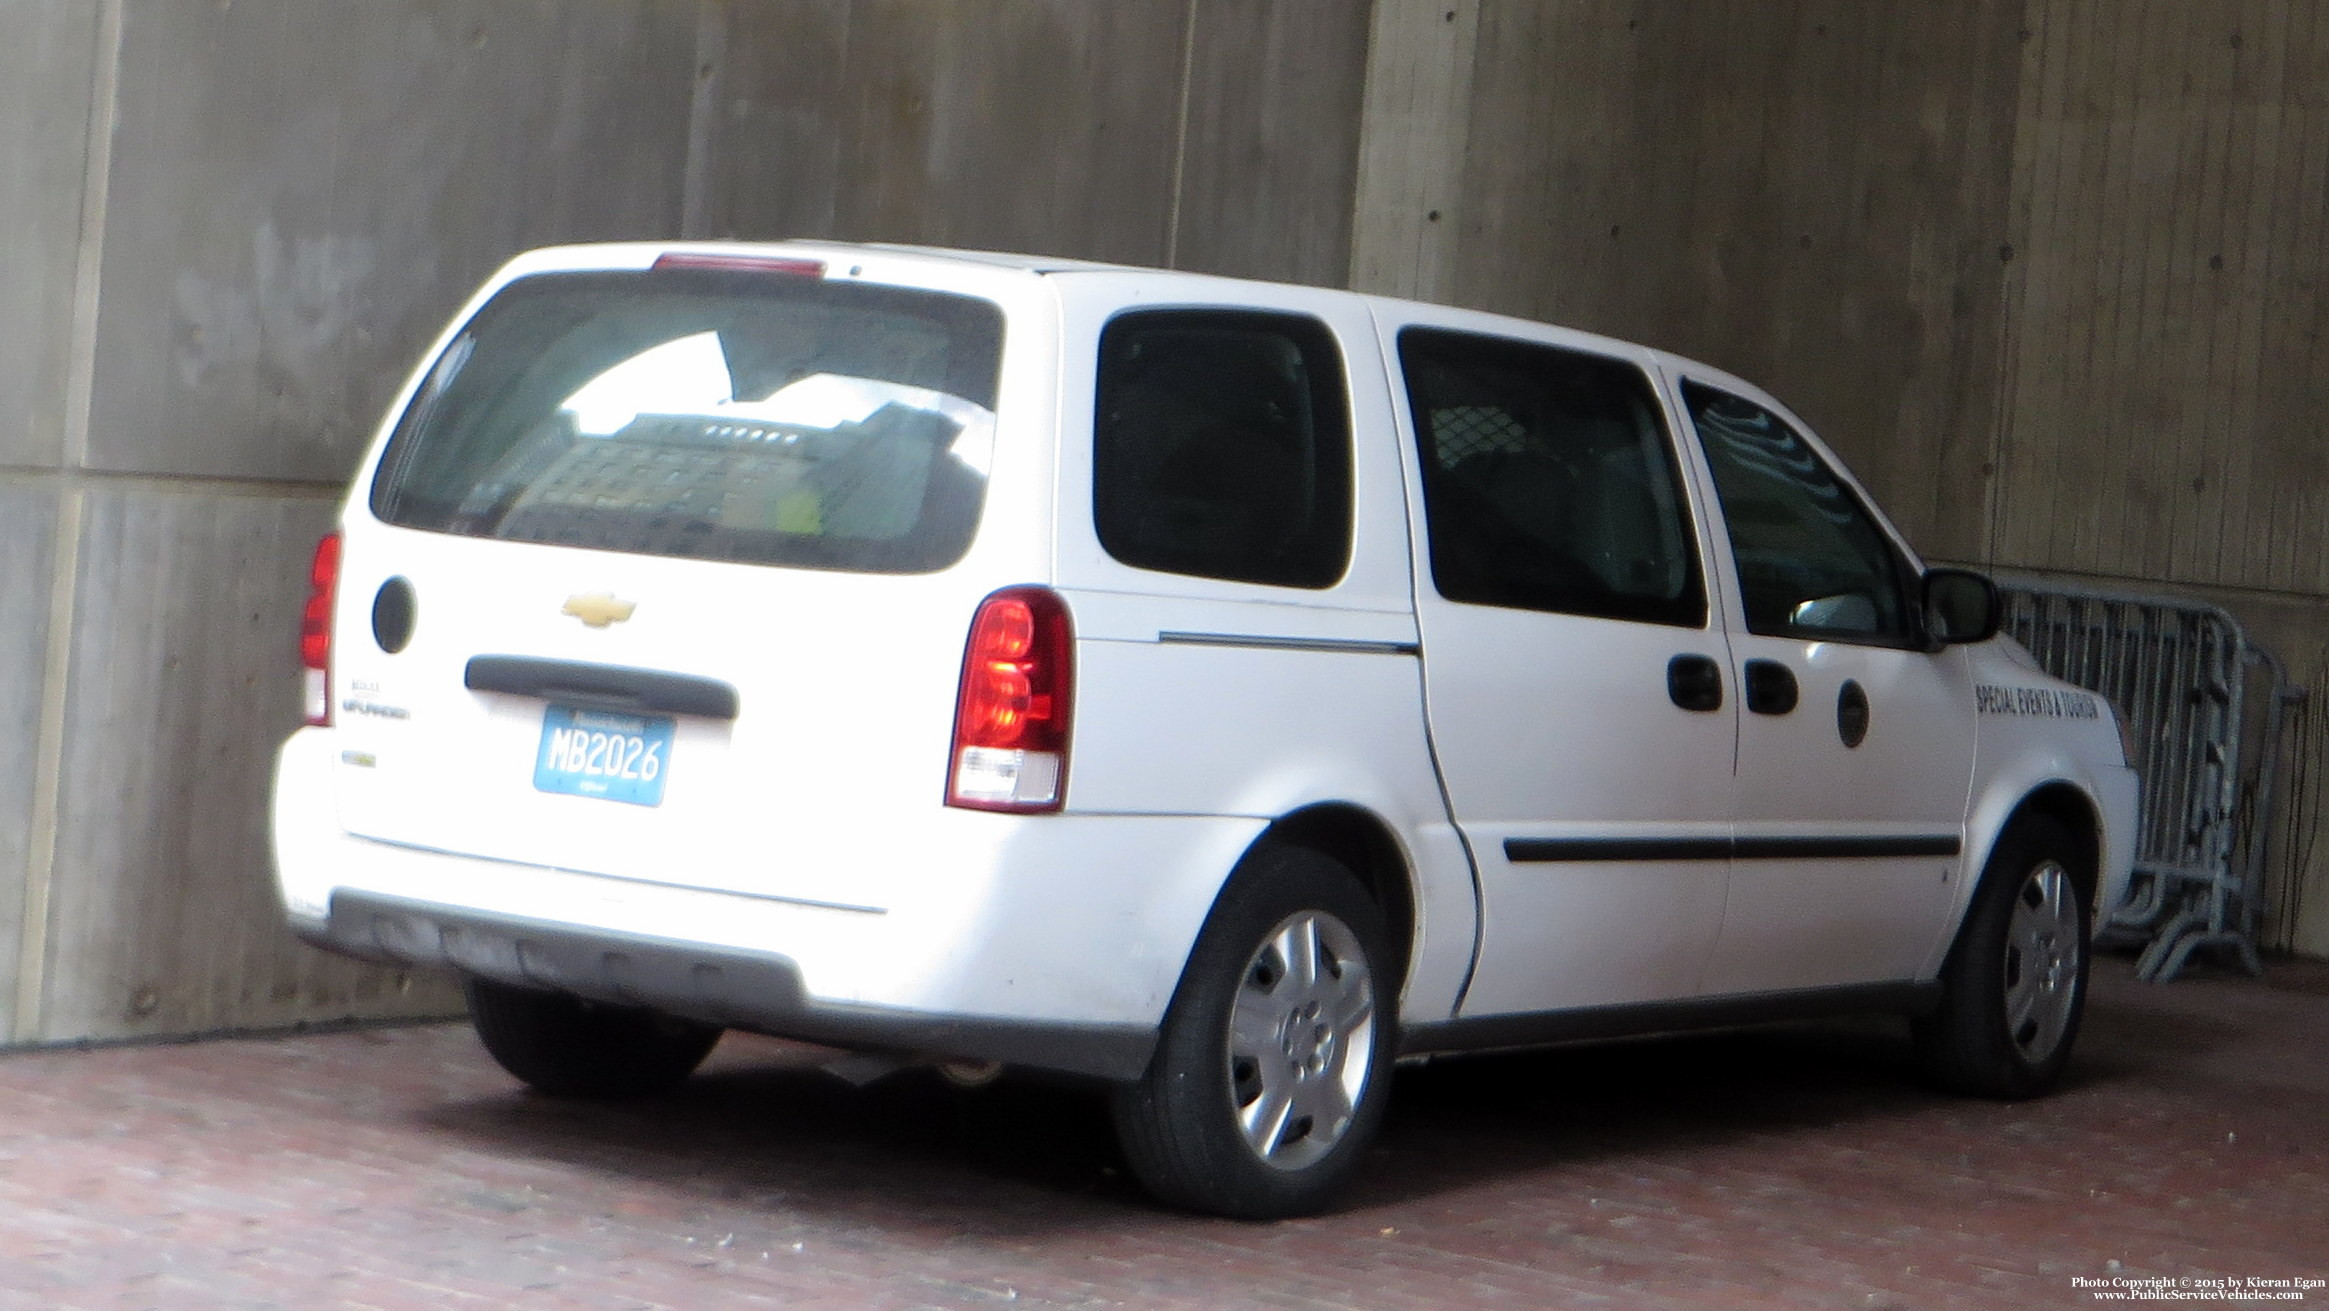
[1011, 715]
[315, 628]
[740, 263]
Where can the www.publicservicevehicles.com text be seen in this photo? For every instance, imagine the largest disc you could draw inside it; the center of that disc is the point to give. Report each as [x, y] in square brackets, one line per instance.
[2193, 1288]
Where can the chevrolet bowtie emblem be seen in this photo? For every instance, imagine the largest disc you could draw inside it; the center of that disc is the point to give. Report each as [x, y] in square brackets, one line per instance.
[598, 609]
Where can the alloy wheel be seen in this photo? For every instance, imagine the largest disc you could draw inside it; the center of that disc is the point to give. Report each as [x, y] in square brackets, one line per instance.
[1301, 1039]
[2042, 961]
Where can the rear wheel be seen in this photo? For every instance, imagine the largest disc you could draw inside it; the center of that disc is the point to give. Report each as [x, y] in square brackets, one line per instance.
[1270, 1074]
[569, 1047]
[2014, 987]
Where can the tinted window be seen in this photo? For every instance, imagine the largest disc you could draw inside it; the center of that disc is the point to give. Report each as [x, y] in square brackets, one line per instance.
[1812, 563]
[753, 417]
[1549, 482]
[1222, 447]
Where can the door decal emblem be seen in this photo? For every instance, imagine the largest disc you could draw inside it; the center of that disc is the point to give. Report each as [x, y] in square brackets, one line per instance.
[598, 609]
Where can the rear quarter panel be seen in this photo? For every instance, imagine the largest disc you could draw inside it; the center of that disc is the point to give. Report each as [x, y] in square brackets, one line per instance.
[1199, 696]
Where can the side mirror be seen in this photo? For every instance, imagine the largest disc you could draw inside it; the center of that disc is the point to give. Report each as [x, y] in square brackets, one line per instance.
[1961, 606]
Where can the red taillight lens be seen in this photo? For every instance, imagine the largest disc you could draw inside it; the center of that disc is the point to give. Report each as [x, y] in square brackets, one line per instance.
[1011, 714]
[315, 627]
[739, 263]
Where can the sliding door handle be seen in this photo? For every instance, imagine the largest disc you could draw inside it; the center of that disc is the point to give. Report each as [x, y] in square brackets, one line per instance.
[1771, 687]
[1694, 682]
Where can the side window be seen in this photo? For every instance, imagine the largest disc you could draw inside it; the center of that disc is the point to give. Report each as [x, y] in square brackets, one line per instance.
[1222, 448]
[1548, 481]
[1811, 561]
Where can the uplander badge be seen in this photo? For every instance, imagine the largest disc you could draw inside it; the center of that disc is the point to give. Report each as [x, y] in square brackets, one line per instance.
[598, 609]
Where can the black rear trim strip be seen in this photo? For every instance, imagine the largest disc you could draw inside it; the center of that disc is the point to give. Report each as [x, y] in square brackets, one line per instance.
[602, 687]
[1545, 850]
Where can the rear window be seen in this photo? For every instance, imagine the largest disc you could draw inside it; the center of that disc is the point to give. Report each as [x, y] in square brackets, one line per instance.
[754, 417]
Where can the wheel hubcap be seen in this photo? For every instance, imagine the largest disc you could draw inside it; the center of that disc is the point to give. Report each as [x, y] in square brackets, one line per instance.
[1301, 1040]
[2043, 956]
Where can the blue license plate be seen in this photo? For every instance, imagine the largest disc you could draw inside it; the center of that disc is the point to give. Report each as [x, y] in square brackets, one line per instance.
[599, 753]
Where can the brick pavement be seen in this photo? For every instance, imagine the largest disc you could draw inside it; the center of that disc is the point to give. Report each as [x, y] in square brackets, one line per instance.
[1789, 1168]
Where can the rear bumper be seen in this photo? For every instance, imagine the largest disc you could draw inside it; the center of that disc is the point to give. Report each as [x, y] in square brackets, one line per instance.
[761, 991]
[1054, 941]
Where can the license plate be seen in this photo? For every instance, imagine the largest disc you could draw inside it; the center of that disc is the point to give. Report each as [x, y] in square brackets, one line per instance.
[599, 753]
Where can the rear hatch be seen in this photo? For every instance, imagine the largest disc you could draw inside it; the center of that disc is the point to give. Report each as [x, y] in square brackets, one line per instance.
[659, 576]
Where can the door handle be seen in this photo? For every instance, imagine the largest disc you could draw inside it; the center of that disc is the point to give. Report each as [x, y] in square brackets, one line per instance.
[1771, 687]
[1694, 682]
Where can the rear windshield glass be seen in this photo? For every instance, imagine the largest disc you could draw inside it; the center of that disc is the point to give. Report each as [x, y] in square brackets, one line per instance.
[755, 417]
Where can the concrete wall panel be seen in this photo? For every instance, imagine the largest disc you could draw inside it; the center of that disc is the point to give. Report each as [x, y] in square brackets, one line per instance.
[1274, 99]
[2171, 346]
[48, 75]
[28, 518]
[1414, 133]
[1002, 123]
[1053, 127]
[772, 79]
[1810, 194]
[300, 196]
[986, 123]
[185, 676]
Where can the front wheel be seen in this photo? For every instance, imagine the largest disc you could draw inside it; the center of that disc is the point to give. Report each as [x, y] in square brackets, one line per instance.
[2014, 987]
[569, 1047]
[1270, 1074]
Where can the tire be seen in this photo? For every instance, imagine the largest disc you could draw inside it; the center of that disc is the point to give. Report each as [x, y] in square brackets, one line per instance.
[2014, 986]
[1274, 1062]
[568, 1047]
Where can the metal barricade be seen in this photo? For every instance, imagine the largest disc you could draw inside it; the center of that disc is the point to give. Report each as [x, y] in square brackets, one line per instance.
[2205, 708]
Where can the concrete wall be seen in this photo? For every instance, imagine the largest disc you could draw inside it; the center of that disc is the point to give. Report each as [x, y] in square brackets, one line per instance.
[2045, 270]
[243, 219]
[2169, 203]
[1210, 134]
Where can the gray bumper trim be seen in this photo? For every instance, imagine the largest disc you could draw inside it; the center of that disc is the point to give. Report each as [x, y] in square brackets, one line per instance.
[759, 991]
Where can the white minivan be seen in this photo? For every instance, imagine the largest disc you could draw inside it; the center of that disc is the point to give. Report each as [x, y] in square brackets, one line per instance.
[1217, 688]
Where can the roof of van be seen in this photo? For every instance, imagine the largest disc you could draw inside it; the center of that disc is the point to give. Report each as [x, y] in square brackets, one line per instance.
[997, 258]
[645, 252]
[1047, 264]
